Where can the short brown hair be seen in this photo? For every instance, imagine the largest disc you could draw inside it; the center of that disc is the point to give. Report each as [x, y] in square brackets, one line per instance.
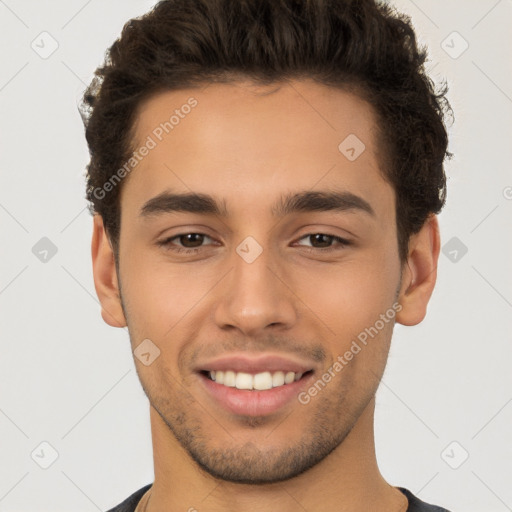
[361, 45]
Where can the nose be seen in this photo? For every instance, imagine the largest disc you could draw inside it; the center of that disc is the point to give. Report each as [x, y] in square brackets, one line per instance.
[255, 296]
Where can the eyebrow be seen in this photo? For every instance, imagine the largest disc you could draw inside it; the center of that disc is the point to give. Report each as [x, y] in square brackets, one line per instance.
[304, 201]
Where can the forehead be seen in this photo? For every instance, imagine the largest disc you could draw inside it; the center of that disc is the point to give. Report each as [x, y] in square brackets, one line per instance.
[239, 140]
[241, 109]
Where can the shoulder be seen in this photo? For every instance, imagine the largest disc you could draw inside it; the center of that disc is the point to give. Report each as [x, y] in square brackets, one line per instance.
[416, 505]
[130, 503]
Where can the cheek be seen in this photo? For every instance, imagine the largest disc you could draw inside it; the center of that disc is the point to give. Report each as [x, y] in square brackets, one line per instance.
[352, 295]
[350, 301]
[157, 295]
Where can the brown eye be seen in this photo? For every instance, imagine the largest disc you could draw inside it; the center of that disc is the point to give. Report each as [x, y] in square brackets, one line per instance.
[323, 241]
[191, 240]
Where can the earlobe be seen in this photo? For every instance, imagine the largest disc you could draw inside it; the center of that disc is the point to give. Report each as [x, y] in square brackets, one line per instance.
[105, 277]
[419, 274]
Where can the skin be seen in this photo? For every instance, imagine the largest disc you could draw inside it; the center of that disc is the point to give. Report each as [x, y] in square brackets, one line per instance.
[247, 145]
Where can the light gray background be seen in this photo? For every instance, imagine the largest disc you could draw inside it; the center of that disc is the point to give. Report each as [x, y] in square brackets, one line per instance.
[68, 379]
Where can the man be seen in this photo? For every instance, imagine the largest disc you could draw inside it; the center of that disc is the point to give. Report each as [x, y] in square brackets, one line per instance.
[265, 177]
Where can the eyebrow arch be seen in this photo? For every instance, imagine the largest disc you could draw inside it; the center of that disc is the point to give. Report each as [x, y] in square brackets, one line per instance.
[304, 201]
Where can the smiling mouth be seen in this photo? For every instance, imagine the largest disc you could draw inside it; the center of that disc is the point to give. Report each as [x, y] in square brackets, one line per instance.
[254, 382]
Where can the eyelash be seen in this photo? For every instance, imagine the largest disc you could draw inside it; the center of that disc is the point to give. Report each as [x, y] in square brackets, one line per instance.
[194, 250]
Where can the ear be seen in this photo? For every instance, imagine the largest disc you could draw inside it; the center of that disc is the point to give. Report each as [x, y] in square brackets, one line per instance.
[105, 277]
[419, 273]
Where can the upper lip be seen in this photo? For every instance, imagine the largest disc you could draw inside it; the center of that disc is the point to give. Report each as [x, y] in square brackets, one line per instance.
[255, 364]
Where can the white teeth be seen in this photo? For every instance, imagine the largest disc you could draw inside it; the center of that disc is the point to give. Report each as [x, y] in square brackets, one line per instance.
[277, 379]
[244, 381]
[260, 381]
[289, 378]
[263, 381]
[229, 379]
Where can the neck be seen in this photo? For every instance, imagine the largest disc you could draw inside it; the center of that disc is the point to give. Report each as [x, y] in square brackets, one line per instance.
[346, 480]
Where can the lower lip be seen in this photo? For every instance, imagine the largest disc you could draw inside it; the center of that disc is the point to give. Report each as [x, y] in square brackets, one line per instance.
[254, 403]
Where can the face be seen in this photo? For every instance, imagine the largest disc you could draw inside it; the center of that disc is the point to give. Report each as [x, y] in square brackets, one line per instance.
[277, 271]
